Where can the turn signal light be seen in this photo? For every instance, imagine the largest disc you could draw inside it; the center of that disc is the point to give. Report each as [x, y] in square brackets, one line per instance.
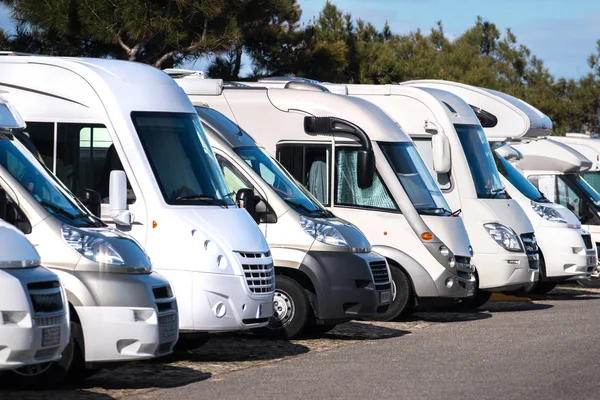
[427, 236]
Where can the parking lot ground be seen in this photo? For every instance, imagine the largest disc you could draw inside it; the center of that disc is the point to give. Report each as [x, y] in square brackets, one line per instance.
[517, 348]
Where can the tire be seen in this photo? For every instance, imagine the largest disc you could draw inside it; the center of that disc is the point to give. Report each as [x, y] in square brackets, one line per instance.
[542, 287]
[402, 297]
[71, 367]
[291, 311]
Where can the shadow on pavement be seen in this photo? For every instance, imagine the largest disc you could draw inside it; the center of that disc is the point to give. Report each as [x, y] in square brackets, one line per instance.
[513, 306]
[363, 331]
[239, 347]
[446, 315]
[52, 394]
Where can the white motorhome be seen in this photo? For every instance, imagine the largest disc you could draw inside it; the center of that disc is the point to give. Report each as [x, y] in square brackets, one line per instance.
[128, 132]
[452, 143]
[326, 271]
[34, 322]
[359, 164]
[554, 168]
[590, 148]
[565, 248]
[119, 309]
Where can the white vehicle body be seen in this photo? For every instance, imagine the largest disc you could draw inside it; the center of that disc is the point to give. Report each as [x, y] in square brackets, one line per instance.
[554, 168]
[590, 148]
[34, 327]
[337, 266]
[92, 119]
[119, 309]
[433, 119]
[431, 248]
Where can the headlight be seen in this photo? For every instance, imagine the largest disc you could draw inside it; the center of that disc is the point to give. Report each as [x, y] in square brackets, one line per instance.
[504, 236]
[548, 213]
[322, 232]
[95, 248]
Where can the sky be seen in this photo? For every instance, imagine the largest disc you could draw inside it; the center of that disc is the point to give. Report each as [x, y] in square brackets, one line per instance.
[562, 33]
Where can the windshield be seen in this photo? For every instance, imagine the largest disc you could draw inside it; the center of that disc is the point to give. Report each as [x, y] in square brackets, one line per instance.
[182, 161]
[585, 187]
[593, 179]
[481, 161]
[415, 178]
[42, 185]
[518, 181]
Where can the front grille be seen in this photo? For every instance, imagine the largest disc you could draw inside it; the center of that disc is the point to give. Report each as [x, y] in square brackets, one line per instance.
[49, 321]
[531, 249]
[250, 321]
[255, 255]
[168, 325]
[260, 278]
[45, 297]
[380, 272]
[587, 240]
[161, 292]
[463, 265]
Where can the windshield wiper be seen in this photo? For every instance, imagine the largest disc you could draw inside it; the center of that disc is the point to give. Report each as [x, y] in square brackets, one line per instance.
[61, 211]
[322, 212]
[495, 192]
[201, 196]
[456, 213]
[442, 209]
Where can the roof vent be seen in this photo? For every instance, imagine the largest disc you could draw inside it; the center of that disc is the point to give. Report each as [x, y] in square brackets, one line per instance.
[304, 85]
[183, 73]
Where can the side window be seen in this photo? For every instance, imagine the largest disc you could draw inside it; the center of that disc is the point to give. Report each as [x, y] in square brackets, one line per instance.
[85, 156]
[347, 191]
[568, 198]
[426, 151]
[233, 177]
[11, 213]
[309, 165]
[545, 184]
[42, 136]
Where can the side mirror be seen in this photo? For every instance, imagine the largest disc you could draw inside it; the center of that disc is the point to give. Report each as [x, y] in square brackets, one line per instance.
[3, 204]
[365, 171]
[258, 209]
[118, 199]
[441, 153]
[92, 200]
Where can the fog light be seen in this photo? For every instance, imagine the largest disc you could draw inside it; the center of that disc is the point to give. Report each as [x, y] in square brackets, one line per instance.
[449, 283]
[471, 251]
[444, 251]
[220, 310]
[577, 250]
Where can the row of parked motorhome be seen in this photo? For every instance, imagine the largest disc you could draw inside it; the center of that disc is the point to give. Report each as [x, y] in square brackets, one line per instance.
[169, 206]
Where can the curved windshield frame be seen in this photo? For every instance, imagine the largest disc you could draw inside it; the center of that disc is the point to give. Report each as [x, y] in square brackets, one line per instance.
[280, 181]
[481, 162]
[18, 161]
[183, 163]
[414, 177]
[518, 181]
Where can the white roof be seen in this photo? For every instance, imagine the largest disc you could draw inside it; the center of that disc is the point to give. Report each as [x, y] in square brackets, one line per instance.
[550, 155]
[515, 119]
[585, 145]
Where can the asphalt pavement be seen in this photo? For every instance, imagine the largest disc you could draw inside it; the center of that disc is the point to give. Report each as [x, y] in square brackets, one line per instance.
[516, 350]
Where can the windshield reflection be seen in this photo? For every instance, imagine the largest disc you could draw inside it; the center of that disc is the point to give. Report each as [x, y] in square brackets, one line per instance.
[518, 181]
[481, 161]
[415, 178]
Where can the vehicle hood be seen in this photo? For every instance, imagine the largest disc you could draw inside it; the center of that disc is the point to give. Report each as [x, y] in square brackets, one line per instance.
[503, 211]
[451, 231]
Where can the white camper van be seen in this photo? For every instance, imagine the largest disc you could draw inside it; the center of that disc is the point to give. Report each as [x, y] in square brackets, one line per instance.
[127, 132]
[357, 162]
[566, 248]
[326, 271]
[554, 168]
[119, 309]
[452, 143]
[590, 148]
[34, 322]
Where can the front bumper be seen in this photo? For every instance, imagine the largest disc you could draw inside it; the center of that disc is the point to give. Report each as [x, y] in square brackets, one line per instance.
[28, 343]
[451, 285]
[116, 334]
[223, 303]
[565, 253]
[345, 285]
[506, 271]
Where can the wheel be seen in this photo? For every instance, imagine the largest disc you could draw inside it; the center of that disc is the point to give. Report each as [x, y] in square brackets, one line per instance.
[479, 298]
[71, 366]
[191, 341]
[402, 297]
[291, 310]
[542, 286]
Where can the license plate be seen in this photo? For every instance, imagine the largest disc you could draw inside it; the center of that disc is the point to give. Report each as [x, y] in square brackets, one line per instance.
[51, 336]
[592, 260]
[385, 297]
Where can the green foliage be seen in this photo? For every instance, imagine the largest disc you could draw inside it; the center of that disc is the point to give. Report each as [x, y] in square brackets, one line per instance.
[332, 47]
